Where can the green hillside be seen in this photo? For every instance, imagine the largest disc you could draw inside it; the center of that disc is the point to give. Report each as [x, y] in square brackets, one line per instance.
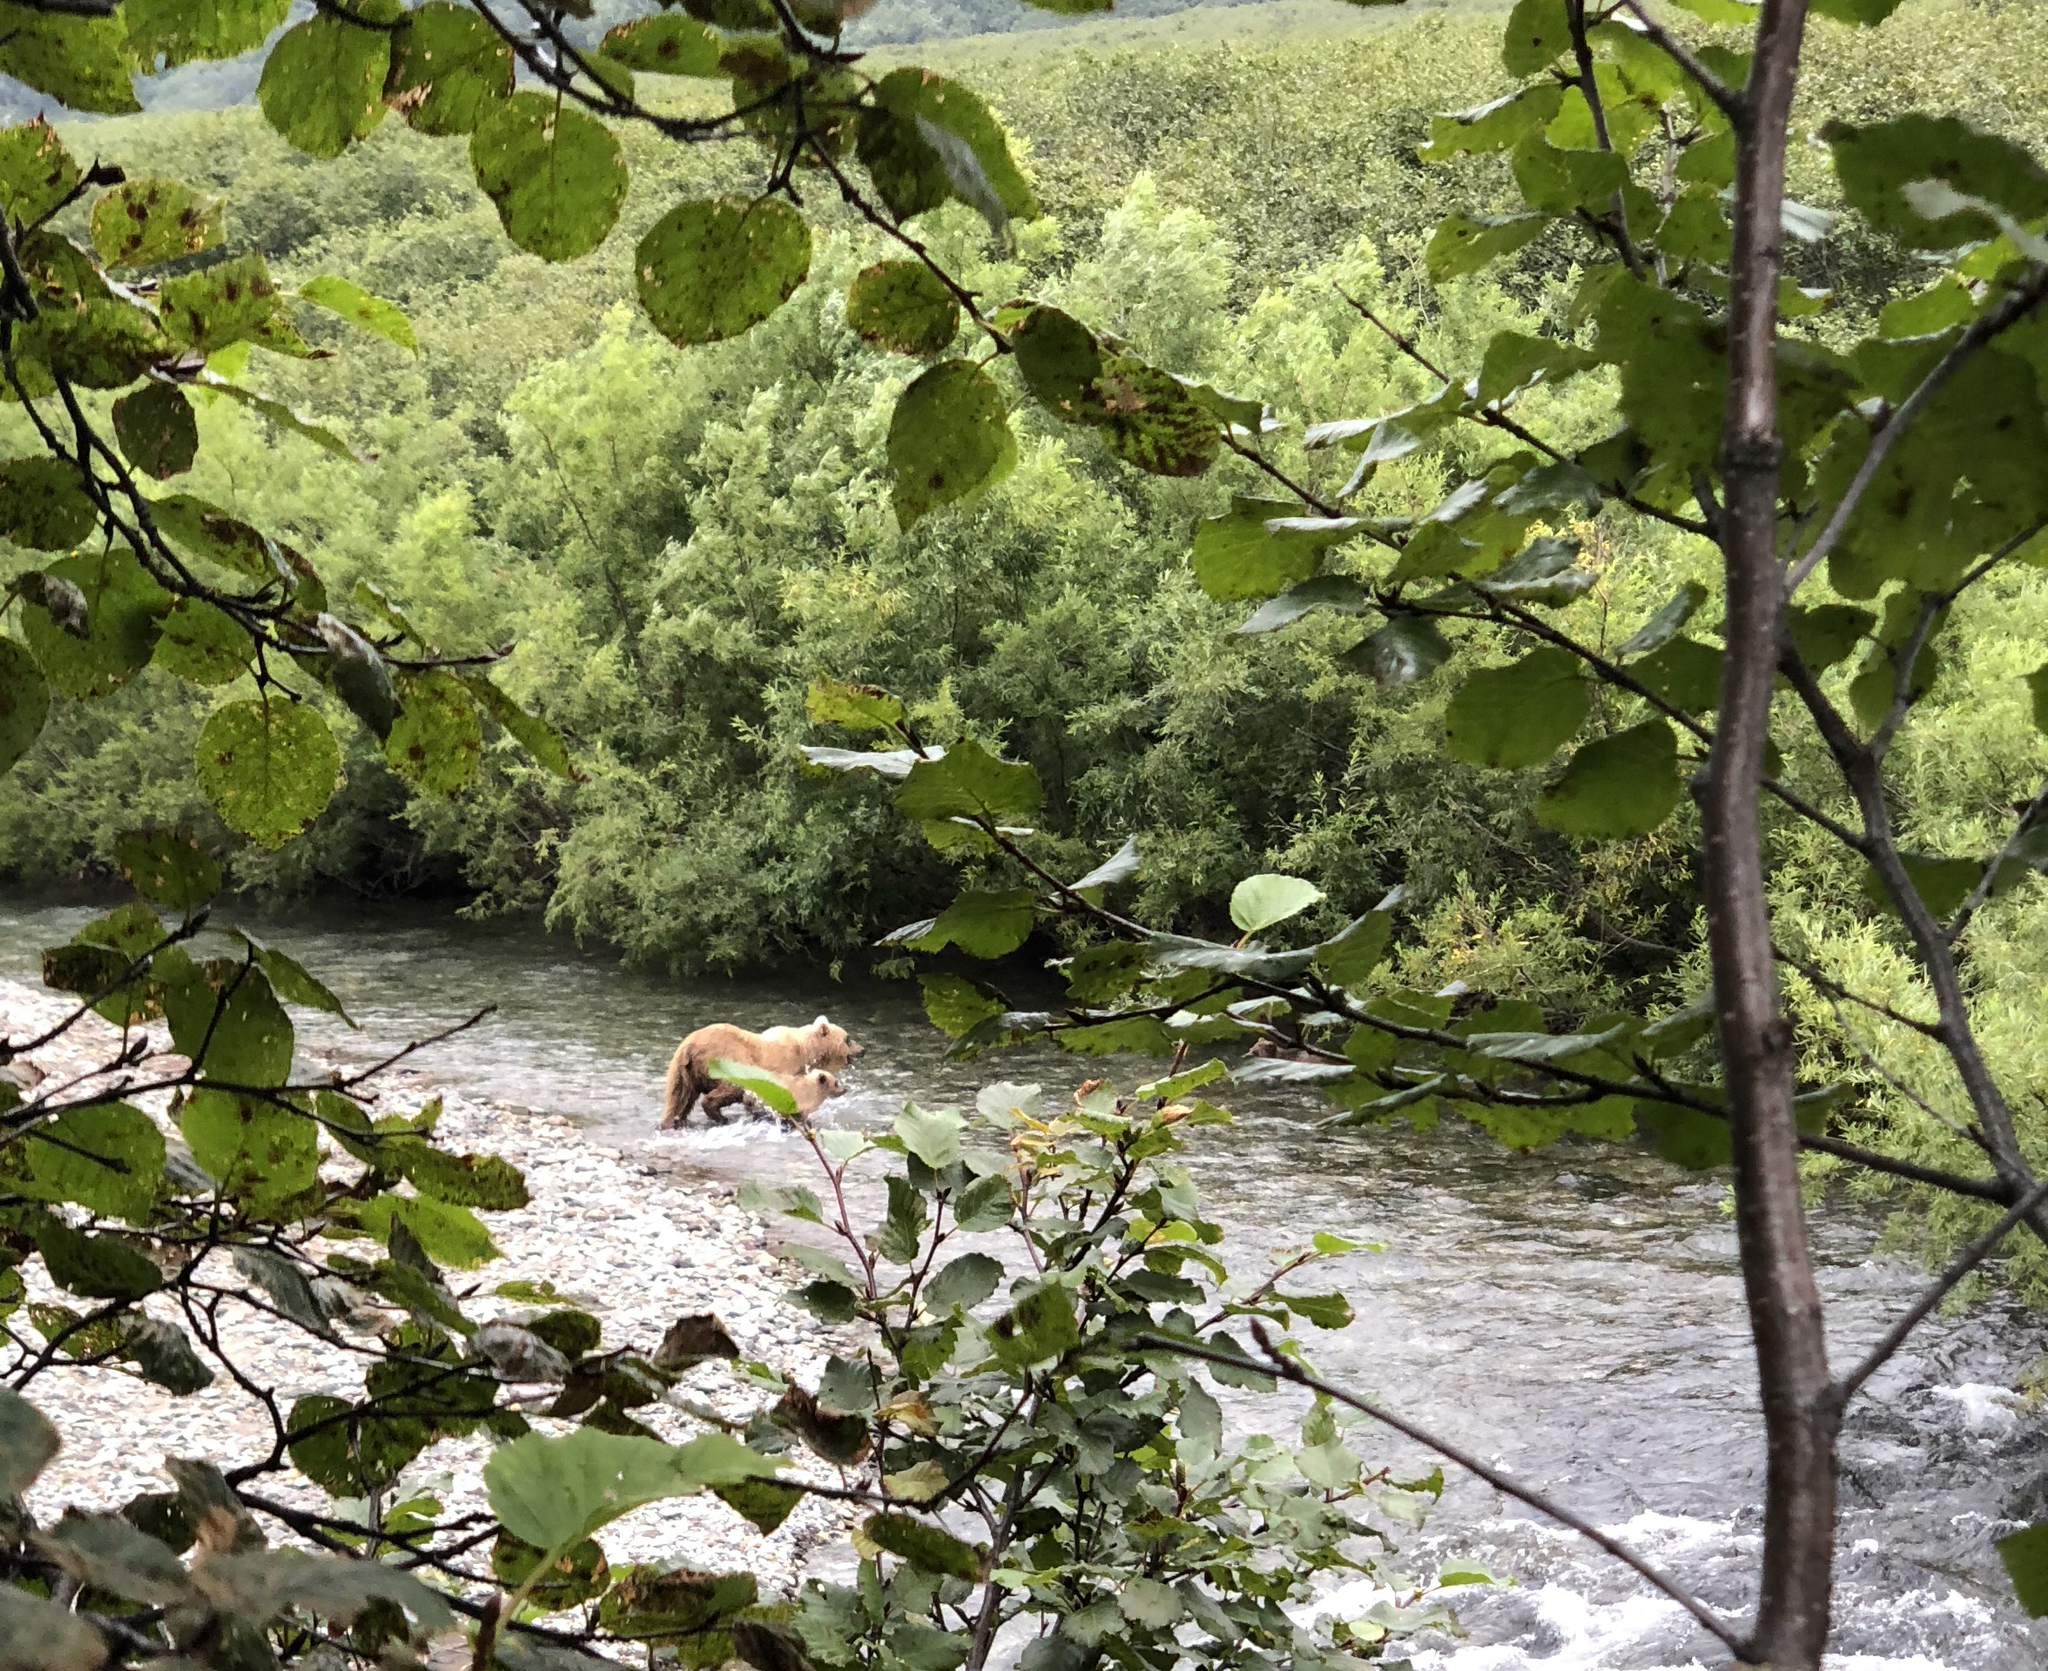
[679, 542]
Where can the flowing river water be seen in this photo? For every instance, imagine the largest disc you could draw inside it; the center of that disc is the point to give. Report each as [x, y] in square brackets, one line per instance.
[1574, 1315]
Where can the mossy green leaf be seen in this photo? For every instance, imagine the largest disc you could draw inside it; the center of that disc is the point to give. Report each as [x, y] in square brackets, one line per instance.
[712, 268]
[269, 767]
[557, 175]
[949, 436]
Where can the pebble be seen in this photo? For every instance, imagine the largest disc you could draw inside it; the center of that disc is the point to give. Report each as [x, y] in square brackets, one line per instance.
[635, 1245]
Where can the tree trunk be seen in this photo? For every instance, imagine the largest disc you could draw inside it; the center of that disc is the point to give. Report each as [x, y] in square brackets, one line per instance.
[1756, 1040]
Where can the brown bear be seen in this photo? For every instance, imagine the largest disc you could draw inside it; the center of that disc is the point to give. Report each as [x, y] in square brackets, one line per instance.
[788, 1051]
[810, 1091]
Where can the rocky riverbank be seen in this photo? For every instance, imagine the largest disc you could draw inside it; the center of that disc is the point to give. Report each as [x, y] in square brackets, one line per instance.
[636, 1245]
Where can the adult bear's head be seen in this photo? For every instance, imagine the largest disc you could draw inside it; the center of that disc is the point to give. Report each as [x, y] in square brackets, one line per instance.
[827, 1046]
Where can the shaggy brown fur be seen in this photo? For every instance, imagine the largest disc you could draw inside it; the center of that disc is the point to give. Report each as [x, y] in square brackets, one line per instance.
[787, 1051]
[810, 1091]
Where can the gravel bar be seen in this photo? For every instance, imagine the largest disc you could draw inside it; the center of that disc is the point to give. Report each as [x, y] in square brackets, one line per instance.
[636, 1245]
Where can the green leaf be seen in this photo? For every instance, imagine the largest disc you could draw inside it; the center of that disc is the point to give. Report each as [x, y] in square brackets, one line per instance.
[985, 1204]
[165, 1355]
[1492, 126]
[1041, 1325]
[1877, 164]
[1465, 243]
[352, 1454]
[27, 1442]
[1408, 647]
[1349, 958]
[667, 45]
[82, 62]
[201, 529]
[1685, 673]
[924, 1546]
[1685, 1136]
[1060, 361]
[529, 731]
[756, 1080]
[1620, 786]
[355, 304]
[45, 1636]
[231, 301]
[256, 1151]
[96, 1267]
[1515, 362]
[984, 924]
[448, 69]
[24, 702]
[673, 1608]
[203, 644]
[1326, 1311]
[1676, 610]
[437, 738]
[966, 1281]
[857, 707]
[43, 504]
[1827, 633]
[932, 1135]
[1538, 33]
[123, 615]
[557, 176]
[109, 1554]
[451, 1235]
[925, 139]
[1518, 715]
[903, 307]
[1942, 883]
[1149, 1604]
[268, 767]
[1258, 902]
[36, 172]
[762, 1502]
[902, 1232]
[956, 1005]
[711, 269]
[148, 221]
[1263, 546]
[969, 782]
[553, 1493]
[2025, 1557]
[173, 32]
[575, 1576]
[1338, 592]
[949, 436]
[465, 1180]
[107, 1159]
[323, 83]
[157, 430]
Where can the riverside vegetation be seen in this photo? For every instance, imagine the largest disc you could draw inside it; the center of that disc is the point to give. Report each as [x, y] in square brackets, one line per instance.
[1460, 554]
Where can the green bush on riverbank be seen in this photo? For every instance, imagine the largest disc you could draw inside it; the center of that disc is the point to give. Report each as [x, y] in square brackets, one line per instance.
[678, 543]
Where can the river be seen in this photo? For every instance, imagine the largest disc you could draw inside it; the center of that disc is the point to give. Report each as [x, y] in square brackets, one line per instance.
[1574, 1315]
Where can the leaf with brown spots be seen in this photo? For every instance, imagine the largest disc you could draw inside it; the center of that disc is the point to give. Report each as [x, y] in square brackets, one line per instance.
[149, 221]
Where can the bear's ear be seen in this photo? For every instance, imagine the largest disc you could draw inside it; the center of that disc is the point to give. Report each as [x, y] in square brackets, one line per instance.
[822, 1021]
